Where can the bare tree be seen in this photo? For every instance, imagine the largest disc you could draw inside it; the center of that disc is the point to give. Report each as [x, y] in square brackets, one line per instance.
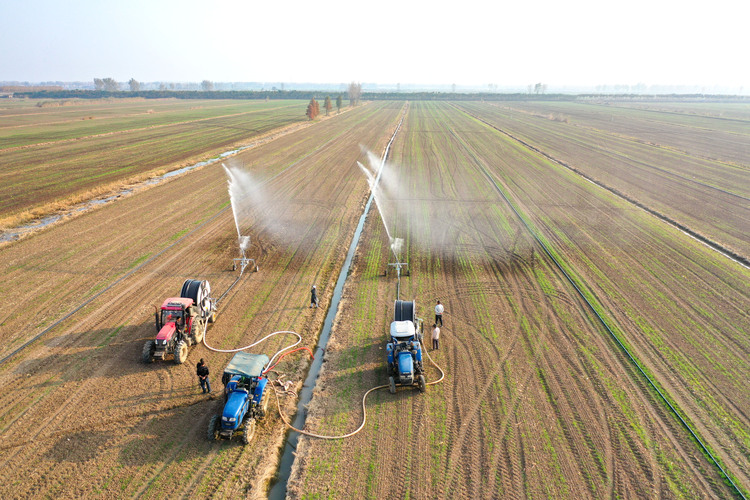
[355, 92]
[328, 105]
[135, 86]
[207, 85]
[98, 84]
[111, 85]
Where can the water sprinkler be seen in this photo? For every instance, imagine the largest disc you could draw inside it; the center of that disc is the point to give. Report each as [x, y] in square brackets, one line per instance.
[243, 261]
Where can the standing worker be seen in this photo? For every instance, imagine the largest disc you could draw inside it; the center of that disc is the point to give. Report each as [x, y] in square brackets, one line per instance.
[435, 337]
[313, 297]
[202, 371]
[439, 309]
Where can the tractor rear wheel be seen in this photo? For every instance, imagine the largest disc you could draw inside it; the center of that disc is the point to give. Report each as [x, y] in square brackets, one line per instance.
[213, 428]
[199, 330]
[263, 411]
[422, 384]
[147, 354]
[249, 431]
[391, 385]
[180, 352]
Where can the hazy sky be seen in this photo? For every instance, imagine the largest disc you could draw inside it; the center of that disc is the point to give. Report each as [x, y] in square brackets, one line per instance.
[466, 42]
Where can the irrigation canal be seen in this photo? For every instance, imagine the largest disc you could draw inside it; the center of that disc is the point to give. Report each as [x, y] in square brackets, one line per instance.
[279, 489]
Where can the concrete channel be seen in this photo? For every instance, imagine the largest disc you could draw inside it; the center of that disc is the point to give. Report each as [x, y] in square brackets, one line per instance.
[279, 489]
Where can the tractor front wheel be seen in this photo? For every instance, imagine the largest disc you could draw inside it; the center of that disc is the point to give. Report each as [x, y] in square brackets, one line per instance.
[422, 384]
[147, 354]
[391, 385]
[249, 431]
[213, 428]
[180, 352]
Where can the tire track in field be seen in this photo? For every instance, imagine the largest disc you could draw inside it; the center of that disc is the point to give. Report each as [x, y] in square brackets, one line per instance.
[645, 377]
[471, 411]
[537, 353]
[655, 465]
[740, 259]
[611, 153]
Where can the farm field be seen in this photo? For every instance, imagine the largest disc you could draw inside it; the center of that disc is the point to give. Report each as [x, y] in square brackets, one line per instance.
[694, 170]
[52, 156]
[81, 416]
[538, 400]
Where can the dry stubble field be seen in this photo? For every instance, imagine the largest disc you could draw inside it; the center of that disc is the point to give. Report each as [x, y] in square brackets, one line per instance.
[537, 401]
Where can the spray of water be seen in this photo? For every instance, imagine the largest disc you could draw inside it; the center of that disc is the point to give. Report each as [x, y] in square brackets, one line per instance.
[371, 173]
[410, 202]
[274, 215]
[240, 195]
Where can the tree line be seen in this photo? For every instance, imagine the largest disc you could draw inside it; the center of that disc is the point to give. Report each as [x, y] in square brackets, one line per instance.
[296, 94]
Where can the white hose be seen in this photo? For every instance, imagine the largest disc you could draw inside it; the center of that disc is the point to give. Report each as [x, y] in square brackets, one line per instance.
[278, 403]
[364, 409]
[270, 362]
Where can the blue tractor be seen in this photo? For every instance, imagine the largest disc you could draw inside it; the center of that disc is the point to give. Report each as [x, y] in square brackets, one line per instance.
[405, 349]
[246, 394]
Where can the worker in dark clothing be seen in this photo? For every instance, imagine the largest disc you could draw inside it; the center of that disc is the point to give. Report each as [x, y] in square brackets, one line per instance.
[313, 297]
[178, 327]
[202, 371]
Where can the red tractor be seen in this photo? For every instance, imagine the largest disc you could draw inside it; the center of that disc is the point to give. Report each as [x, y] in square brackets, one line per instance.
[181, 322]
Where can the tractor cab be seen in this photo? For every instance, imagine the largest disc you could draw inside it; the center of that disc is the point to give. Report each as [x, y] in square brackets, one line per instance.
[174, 310]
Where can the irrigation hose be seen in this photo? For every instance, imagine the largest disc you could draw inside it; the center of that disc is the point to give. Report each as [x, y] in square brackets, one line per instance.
[282, 357]
[299, 339]
[364, 408]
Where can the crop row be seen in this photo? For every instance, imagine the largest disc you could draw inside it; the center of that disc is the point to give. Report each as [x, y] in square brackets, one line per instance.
[637, 267]
[47, 173]
[536, 401]
[709, 196]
